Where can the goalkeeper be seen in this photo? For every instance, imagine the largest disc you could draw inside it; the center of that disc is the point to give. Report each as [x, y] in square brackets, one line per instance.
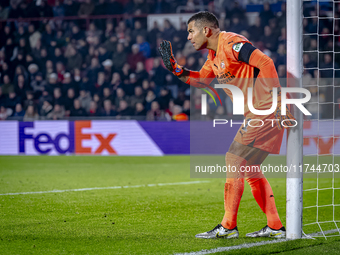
[232, 59]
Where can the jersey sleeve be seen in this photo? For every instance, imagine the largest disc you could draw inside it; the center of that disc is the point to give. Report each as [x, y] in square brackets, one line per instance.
[233, 45]
[202, 78]
[247, 53]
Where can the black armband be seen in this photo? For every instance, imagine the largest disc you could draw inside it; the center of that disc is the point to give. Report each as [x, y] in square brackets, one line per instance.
[245, 52]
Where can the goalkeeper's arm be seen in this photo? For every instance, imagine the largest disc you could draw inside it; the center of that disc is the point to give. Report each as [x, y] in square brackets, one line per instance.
[193, 78]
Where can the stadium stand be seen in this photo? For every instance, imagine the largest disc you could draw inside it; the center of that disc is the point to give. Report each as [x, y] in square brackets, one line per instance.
[63, 59]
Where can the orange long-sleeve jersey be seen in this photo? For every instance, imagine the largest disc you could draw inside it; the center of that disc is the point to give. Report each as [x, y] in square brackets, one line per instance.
[237, 62]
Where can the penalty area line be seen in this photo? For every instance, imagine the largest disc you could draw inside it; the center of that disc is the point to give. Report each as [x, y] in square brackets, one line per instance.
[100, 188]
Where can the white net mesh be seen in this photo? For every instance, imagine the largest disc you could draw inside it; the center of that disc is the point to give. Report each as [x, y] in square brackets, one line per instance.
[321, 50]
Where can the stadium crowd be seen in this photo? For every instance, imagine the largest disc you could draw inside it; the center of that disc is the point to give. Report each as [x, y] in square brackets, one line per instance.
[61, 68]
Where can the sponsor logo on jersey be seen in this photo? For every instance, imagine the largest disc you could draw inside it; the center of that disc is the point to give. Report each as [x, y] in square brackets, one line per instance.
[222, 64]
[237, 47]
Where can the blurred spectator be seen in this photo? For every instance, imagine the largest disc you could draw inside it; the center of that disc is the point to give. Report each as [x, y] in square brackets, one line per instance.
[140, 110]
[168, 31]
[21, 86]
[71, 8]
[144, 46]
[93, 111]
[120, 95]
[77, 110]
[38, 85]
[164, 98]
[281, 55]
[52, 83]
[57, 97]
[85, 100]
[103, 54]
[5, 71]
[29, 60]
[135, 57]
[114, 7]
[129, 85]
[154, 33]
[19, 113]
[150, 97]
[125, 73]
[236, 25]
[107, 64]
[141, 73]
[7, 86]
[100, 84]
[186, 107]
[266, 14]
[44, 9]
[3, 12]
[180, 98]
[116, 81]
[58, 9]
[124, 109]
[47, 35]
[2, 97]
[138, 97]
[119, 57]
[76, 34]
[29, 99]
[256, 30]
[93, 70]
[60, 69]
[155, 113]
[31, 114]
[108, 109]
[161, 6]
[74, 58]
[58, 56]
[86, 8]
[58, 113]
[69, 101]
[327, 65]
[270, 42]
[46, 109]
[101, 8]
[111, 43]
[158, 73]
[4, 113]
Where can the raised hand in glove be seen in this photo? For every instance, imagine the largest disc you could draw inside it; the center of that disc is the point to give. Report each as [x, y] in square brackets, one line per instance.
[279, 118]
[169, 60]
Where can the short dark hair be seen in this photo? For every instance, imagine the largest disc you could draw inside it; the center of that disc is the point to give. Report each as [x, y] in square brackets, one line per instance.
[204, 18]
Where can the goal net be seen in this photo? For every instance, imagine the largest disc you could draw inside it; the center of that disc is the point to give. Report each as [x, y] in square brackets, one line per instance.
[321, 132]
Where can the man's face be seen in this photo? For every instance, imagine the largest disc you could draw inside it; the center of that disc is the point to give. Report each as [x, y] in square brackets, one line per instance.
[196, 36]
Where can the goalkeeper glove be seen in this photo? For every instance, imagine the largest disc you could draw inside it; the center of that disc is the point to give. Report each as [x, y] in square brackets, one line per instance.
[279, 118]
[169, 60]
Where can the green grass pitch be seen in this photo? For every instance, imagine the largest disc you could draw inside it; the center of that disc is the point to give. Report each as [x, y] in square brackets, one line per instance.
[132, 220]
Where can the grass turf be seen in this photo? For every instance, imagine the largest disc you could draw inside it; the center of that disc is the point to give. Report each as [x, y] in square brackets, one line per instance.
[135, 220]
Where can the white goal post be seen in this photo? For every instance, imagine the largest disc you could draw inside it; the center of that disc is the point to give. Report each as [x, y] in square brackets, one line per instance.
[294, 182]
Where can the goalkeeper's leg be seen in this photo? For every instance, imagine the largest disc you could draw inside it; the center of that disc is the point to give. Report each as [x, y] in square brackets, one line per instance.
[263, 195]
[236, 159]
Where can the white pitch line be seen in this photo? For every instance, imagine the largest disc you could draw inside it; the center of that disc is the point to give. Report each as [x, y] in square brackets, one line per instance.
[230, 248]
[98, 188]
[250, 245]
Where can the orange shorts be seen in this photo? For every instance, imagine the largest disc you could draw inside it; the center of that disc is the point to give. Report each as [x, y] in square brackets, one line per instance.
[266, 137]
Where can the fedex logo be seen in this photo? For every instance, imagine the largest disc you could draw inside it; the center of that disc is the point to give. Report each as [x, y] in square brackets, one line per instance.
[69, 141]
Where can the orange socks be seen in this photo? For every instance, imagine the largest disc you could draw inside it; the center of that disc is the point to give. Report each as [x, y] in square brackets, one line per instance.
[264, 197]
[233, 190]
